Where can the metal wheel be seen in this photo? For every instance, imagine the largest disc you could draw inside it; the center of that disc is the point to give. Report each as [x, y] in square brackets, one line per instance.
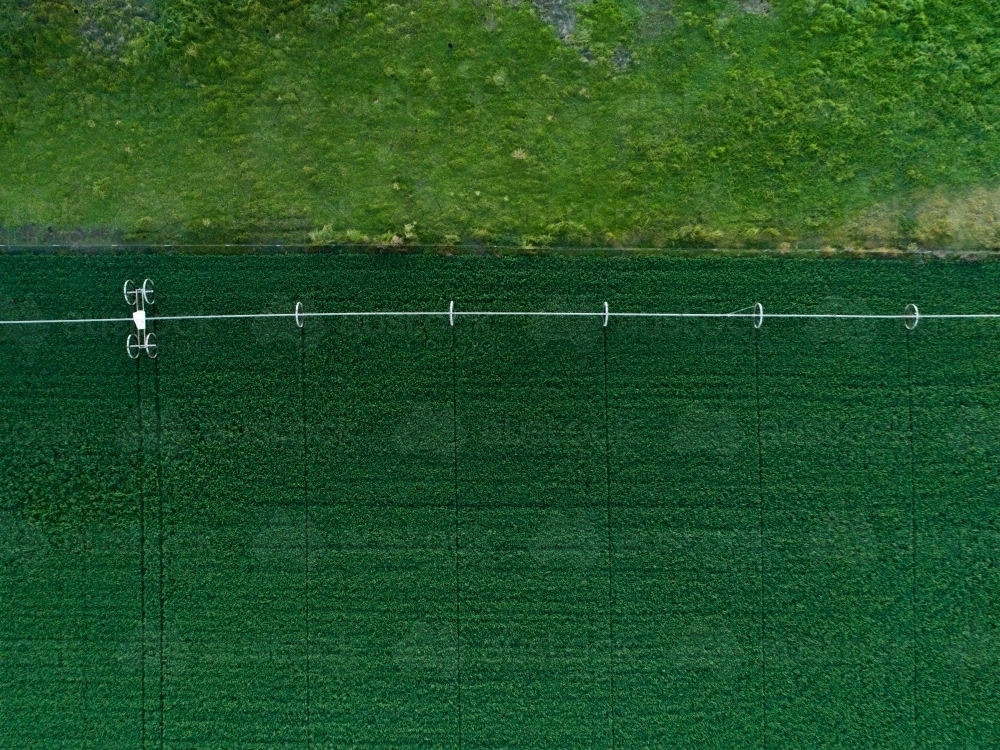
[132, 346]
[150, 345]
[130, 292]
[147, 291]
[299, 320]
[758, 315]
[912, 314]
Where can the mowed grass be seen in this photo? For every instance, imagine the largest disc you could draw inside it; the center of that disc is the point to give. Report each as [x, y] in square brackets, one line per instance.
[649, 122]
[510, 532]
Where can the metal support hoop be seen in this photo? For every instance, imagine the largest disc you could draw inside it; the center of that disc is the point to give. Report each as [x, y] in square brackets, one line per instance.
[758, 315]
[147, 291]
[451, 313]
[606, 313]
[132, 346]
[129, 291]
[912, 313]
[299, 321]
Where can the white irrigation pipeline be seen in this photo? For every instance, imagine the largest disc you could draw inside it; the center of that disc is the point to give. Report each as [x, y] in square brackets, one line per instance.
[598, 314]
[69, 320]
[496, 313]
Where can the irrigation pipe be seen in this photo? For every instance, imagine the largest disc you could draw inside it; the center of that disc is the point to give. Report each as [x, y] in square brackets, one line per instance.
[518, 313]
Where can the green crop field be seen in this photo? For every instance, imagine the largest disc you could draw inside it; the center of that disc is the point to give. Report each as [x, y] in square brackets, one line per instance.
[719, 123]
[513, 532]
